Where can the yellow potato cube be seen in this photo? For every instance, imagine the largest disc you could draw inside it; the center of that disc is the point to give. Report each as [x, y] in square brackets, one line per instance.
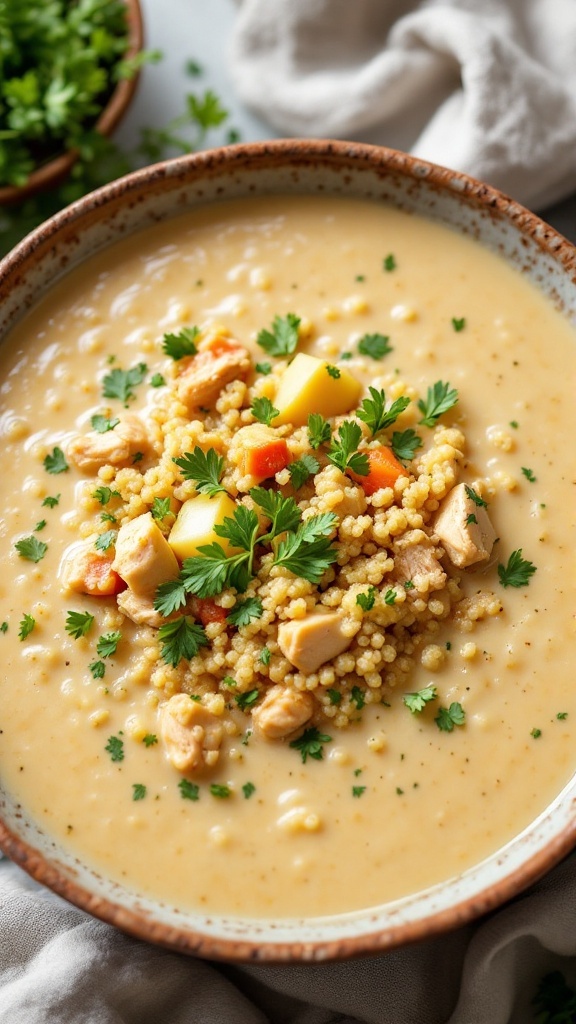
[307, 386]
[195, 524]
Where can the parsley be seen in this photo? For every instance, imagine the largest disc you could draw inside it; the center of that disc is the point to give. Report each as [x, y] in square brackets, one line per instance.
[357, 697]
[416, 702]
[475, 497]
[101, 424]
[562, 715]
[283, 338]
[204, 468]
[536, 733]
[373, 410]
[265, 655]
[246, 700]
[300, 470]
[149, 740]
[121, 383]
[40, 525]
[263, 410]
[517, 571]
[108, 517]
[389, 262]
[188, 790]
[283, 513]
[366, 601]
[55, 462]
[334, 696]
[307, 551]
[4, 629]
[405, 443]
[108, 643]
[311, 744]
[458, 323]
[106, 540]
[161, 508]
[447, 718]
[514, 424]
[375, 345]
[345, 356]
[181, 638]
[390, 597]
[97, 668]
[471, 519]
[157, 380]
[177, 346]
[220, 791]
[244, 611]
[27, 623]
[319, 430]
[248, 789]
[138, 791]
[104, 494]
[439, 399]
[137, 457]
[115, 747]
[358, 790]
[343, 451]
[78, 624]
[51, 502]
[31, 548]
[263, 368]
[528, 474]
[333, 371]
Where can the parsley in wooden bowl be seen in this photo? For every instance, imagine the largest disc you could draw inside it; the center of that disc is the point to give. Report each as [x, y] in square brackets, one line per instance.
[68, 71]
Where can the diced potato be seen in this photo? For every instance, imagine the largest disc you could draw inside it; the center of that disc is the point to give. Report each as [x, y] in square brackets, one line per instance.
[195, 524]
[306, 386]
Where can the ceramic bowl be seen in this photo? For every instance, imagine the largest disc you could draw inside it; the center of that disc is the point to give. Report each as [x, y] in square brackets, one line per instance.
[53, 173]
[163, 191]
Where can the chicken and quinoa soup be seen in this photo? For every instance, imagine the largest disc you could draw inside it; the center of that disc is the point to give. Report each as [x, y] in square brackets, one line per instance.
[287, 606]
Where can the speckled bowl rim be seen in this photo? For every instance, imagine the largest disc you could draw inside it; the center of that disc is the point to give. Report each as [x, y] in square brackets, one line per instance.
[373, 930]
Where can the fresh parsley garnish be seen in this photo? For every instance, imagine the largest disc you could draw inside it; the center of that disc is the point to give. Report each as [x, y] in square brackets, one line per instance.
[26, 625]
[181, 638]
[189, 790]
[366, 600]
[263, 368]
[303, 468]
[458, 323]
[150, 739]
[536, 733]
[138, 791]
[40, 525]
[78, 624]
[311, 744]
[447, 718]
[160, 509]
[265, 655]
[102, 424]
[246, 700]
[389, 262]
[157, 380]
[283, 338]
[263, 410]
[51, 502]
[375, 345]
[177, 346]
[517, 571]
[108, 643]
[475, 497]
[307, 552]
[220, 791]
[204, 469]
[244, 611]
[405, 444]
[55, 462]
[319, 430]
[121, 383]
[97, 668]
[333, 371]
[31, 548]
[334, 696]
[416, 702]
[248, 789]
[374, 413]
[357, 791]
[439, 399]
[4, 629]
[390, 597]
[343, 451]
[282, 512]
[529, 474]
[115, 747]
[105, 494]
[106, 540]
[357, 697]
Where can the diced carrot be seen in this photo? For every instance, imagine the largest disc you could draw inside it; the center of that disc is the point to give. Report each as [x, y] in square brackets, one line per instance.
[267, 459]
[99, 578]
[205, 609]
[384, 470]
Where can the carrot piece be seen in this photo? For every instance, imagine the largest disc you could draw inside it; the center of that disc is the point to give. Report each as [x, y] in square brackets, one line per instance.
[205, 609]
[267, 459]
[99, 578]
[384, 470]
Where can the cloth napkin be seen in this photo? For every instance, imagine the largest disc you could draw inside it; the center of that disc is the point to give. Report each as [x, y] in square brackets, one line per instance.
[487, 87]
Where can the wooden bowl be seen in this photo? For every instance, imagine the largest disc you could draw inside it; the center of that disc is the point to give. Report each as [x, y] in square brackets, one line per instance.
[53, 173]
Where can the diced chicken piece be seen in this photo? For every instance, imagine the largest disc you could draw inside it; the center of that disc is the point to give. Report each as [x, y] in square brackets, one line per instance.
[262, 452]
[87, 571]
[116, 447]
[191, 734]
[464, 528]
[416, 561]
[282, 712]
[144, 559]
[313, 640]
[205, 375]
[141, 609]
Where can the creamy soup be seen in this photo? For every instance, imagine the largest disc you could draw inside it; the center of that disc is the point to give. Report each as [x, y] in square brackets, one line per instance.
[363, 710]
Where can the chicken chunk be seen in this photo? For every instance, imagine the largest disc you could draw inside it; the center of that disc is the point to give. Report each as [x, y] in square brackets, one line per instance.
[464, 528]
[261, 452]
[191, 734]
[87, 571]
[210, 370]
[144, 559]
[282, 712]
[141, 609]
[313, 640]
[116, 447]
[416, 561]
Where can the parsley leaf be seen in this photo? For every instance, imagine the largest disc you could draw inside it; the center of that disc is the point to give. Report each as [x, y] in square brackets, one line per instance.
[177, 346]
[171, 596]
[121, 383]
[27, 623]
[204, 468]
[104, 494]
[517, 571]
[51, 502]
[458, 323]
[366, 600]
[343, 451]
[265, 655]
[389, 262]
[263, 410]
[447, 718]
[300, 470]
[248, 789]
[307, 552]
[439, 399]
[244, 611]
[405, 444]
[101, 424]
[97, 668]
[115, 747]
[106, 540]
[475, 497]
[357, 697]
[283, 338]
[375, 345]
[157, 380]
[240, 529]
[55, 462]
[189, 790]
[311, 744]
[416, 702]
[149, 740]
[220, 791]
[529, 474]
[78, 624]
[333, 371]
[319, 430]
[181, 638]
[246, 700]
[358, 790]
[161, 508]
[138, 791]
[108, 643]
[373, 410]
[283, 513]
[263, 368]
[31, 548]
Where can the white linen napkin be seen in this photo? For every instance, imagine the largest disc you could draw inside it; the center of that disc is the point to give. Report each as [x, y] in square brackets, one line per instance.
[485, 87]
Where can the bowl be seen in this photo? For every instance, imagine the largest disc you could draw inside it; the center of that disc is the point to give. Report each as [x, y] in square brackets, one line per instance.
[158, 193]
[50, 175]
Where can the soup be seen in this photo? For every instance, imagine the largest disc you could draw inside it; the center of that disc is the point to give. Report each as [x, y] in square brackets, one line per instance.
[359, 685]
